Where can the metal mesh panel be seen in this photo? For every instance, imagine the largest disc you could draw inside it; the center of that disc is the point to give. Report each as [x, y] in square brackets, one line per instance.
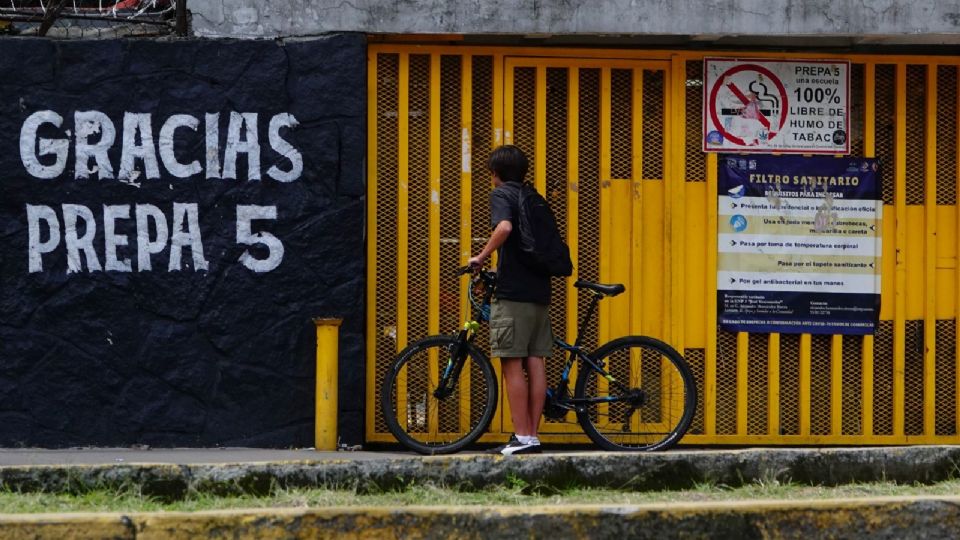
[946, 378]
[450, 169]
[556, 195]
[621, 123]
[483, 140]
[651, 370]
[857, 109]
[481, 146]
[947, 135]
[883, 379]
[418, 208]
[588, 193]
[726, 383]
[387, 174]
[757, 384]
[525, 113]
[789, 384]
[913, 378]
[653, 122]
[820, 380]
[696, 162]
[885, 125]
[696, 361]
[851, 421]
[916, 132]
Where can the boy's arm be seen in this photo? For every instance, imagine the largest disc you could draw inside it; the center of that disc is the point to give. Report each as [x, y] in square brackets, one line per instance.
[497, 238]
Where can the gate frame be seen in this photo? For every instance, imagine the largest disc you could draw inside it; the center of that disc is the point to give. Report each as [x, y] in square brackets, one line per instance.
[900, 219]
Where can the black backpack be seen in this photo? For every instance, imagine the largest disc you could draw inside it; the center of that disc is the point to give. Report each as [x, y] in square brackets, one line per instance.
[542, 249]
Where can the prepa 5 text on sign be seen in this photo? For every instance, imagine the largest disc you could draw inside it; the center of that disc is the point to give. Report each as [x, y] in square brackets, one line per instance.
[48, 140]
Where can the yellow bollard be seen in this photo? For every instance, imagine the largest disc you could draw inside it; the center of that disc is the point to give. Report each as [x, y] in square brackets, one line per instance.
[325, 424]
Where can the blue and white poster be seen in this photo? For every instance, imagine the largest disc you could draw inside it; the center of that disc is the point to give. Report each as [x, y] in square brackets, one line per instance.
[799, 244]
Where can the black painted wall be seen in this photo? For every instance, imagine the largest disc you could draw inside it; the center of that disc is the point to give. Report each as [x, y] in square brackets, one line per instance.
[182, 357]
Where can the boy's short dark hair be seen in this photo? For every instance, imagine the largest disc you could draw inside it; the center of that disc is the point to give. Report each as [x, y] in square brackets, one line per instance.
[509, 163]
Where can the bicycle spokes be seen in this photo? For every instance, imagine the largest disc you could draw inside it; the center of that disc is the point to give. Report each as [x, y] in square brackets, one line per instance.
[647, 401]
[431, 417]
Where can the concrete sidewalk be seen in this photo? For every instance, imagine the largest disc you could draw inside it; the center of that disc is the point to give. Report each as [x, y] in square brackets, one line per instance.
[179, 456]
[171, 474]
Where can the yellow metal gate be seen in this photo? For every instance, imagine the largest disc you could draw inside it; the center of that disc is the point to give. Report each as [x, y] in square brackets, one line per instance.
[614, 139]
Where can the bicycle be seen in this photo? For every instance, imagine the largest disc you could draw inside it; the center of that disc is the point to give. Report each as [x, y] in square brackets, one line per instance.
[634, 393]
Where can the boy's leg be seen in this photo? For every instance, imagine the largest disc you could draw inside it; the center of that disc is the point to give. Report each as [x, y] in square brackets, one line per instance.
[518, 394]
[536, 391]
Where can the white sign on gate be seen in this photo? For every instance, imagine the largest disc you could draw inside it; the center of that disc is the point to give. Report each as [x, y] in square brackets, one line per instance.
[784, 106]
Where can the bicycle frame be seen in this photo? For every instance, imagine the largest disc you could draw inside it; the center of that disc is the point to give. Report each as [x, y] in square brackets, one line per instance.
[466, 334]
[455, 362]
[576, 351]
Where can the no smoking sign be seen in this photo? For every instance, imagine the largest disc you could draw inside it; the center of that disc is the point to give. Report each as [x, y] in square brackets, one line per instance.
[788, 106]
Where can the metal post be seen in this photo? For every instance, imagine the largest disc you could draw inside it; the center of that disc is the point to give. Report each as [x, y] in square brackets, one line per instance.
[50, 16]
[325, 424]
[182, 18]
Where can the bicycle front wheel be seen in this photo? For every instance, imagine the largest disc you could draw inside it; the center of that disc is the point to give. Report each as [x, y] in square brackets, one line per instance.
[647, 405]
[424, 422]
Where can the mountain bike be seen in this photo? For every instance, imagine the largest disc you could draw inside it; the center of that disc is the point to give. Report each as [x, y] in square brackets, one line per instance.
[634, 393]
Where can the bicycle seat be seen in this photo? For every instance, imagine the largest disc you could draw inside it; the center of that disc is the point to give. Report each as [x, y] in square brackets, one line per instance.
[605, 290]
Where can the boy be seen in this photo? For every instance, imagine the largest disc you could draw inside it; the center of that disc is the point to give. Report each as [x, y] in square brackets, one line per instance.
[519, 313]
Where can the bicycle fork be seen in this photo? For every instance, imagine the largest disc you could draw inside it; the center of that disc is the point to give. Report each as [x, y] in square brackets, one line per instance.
[451, 372]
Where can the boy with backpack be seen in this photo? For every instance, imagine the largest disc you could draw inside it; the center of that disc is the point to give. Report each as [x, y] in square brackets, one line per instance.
[519, 313]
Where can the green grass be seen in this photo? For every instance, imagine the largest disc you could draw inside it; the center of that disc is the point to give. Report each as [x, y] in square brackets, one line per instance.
[517, 493]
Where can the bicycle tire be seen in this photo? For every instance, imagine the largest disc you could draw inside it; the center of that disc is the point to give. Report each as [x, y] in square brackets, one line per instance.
[415, 431]
[640, 362]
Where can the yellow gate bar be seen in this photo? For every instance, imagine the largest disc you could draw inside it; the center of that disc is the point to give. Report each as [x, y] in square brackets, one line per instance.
[403, 244]
[466, 210]
[371, 228]
[433, 251]
[869, 150]
[466, 175]
[403, 169]
[676, 196]
[635, 286]
[836, 385]
[805, 384]
[710, 356]
[433, 234]
[507, 104]
[900, 289]
[573, 201]
[866, 385]
[930, 252]
[498, 106]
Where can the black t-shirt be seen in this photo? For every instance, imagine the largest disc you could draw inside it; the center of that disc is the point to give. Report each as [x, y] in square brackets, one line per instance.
[515, 281]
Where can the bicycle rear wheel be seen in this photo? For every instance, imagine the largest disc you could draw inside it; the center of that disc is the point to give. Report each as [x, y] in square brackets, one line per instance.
[650, 403]
[417, 418]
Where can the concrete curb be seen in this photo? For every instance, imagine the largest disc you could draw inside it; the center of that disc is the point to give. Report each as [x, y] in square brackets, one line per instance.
[876, 518]
[669, 470]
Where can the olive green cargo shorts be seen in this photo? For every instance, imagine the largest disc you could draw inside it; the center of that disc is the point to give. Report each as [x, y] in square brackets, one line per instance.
[519, 329]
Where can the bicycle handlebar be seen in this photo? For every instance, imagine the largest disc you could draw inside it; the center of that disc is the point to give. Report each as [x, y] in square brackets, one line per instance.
[489, 277]
[486, 278]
